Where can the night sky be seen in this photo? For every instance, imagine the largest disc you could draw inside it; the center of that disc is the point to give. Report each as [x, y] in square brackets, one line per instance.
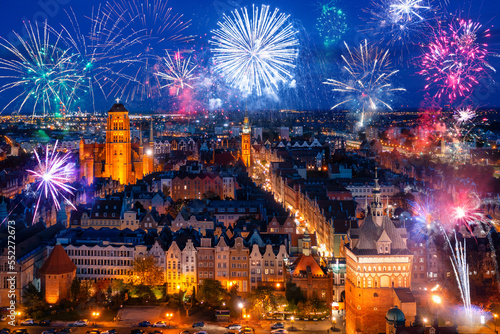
[316, 62]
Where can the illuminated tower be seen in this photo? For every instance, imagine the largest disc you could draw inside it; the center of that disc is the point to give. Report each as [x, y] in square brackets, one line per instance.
[148, 151]
[118, 147]
[378, 271]
[245, 142]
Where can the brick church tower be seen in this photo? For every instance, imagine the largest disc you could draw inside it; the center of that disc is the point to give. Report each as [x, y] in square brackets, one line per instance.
[117, 157]
[118, 146]
[245, 142]
[378, 276]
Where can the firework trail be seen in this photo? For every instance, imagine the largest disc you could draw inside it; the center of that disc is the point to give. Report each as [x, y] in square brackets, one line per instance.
[138, 33]
[179, 72]
[455, 60]
[368, 84]
[255, 52]
[51, 175]
[41, 68]
[458, 260]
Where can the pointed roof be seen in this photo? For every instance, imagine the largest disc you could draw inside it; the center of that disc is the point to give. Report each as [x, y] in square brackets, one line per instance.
[118, 107]
[384, 237]
[58, 263]
[307, 264]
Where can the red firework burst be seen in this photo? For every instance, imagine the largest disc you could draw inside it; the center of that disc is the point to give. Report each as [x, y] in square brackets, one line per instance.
[455, 59]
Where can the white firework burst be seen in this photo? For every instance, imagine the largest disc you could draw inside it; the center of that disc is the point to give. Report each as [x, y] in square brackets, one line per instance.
[179, 72]
[368, 84]
[255, 52]
[464, 115]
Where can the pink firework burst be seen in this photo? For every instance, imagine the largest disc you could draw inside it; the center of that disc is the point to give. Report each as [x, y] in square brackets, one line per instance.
[455, 59]
[466, 210]
[51, 175]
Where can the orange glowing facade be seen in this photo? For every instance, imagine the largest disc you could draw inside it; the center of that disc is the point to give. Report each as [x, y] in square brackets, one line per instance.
[118, 157]
[245, 142]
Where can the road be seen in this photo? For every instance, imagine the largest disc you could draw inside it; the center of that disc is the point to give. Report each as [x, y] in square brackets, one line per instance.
[260, 327]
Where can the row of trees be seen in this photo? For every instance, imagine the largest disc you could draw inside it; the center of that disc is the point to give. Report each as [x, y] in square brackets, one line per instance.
[263, 300]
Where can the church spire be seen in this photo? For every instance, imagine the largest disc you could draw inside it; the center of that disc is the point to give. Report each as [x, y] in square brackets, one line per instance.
[376, 205]
[140, 134]
[151, 139]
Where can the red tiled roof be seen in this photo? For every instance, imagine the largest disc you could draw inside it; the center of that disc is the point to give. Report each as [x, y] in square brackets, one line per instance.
[307, 264]
[58, 262]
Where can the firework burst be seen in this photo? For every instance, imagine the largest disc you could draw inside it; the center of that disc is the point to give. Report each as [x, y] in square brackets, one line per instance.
[255, 53]
[464, 115]
[455, 60]
[401, 22]
[136, 34]
[41, 69]
[368, 84]
[332, 23]
[179, 72]
[51, 176]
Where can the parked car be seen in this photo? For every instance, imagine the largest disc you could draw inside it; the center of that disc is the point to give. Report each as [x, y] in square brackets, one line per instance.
[160, 324]
[45, 322]
[81, 323]
[49, 331]
[3, 317]
[94, 331]
[202, 332]
[246, 330]
[199, 324]
[28, 322]
[137, 331]
[278, 325]
[279, 331]
[20, 331]
[144, 324]
[234, 326]
[64, 331]
[7, 330]
[109, 331]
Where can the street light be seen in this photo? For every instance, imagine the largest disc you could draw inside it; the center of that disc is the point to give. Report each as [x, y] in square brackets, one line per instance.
[437, 300]
[292, 320]
[240, 305]
[495, 316]
[169, 317]
[334, 321]
[95, 315]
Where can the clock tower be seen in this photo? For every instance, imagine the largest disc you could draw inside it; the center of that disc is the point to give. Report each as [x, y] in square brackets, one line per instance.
[245, 142]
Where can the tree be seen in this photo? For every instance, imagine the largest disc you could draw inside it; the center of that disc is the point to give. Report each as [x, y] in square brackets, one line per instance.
[166, 190]
[146, 272]
[74, 290]
[34, 301]
[263, 299]
[294, 293]
[211, 292]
